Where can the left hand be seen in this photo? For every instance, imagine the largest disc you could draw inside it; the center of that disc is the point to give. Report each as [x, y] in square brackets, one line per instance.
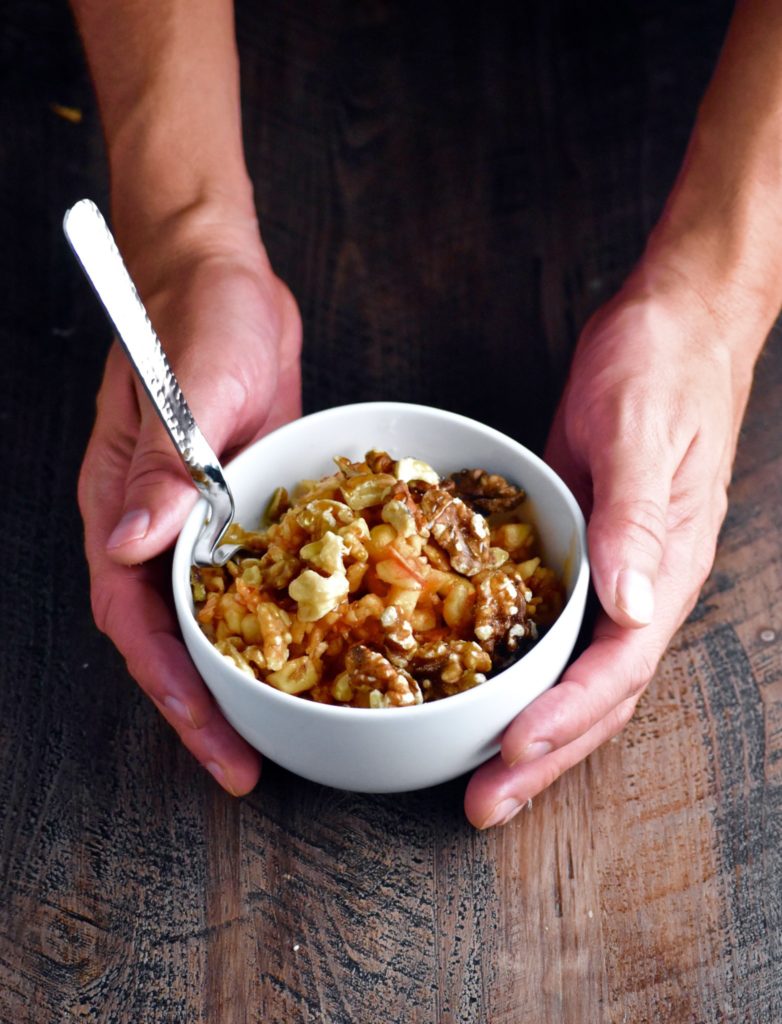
[645, 437]
[232, 333]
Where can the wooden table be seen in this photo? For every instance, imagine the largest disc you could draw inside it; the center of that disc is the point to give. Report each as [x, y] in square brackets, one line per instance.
[449, 194]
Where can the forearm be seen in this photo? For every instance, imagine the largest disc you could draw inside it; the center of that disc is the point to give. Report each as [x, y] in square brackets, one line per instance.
[721, 230]
[167, 79]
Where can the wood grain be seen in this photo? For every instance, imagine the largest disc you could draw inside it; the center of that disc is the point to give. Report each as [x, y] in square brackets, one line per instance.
[449, 194]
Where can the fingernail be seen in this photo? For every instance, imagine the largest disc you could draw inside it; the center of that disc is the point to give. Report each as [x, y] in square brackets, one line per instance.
[132, 526]
[181, 710]
[502, 813]
[635, 596]
[532, 751]
[220, 774]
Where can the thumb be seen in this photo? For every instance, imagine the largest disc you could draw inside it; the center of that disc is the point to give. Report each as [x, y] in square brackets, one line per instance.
[224, 327]
[158, 497]
[628, 526]
[158, 490]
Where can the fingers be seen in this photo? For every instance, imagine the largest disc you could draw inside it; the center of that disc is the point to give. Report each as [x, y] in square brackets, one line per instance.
[594, 701]
[615, 668]
[496, 793]
[104, 473]
[644, 436]
[128, 602]
[598, 693]
[627, 531]
[225, 336]
[232, 333]
[129, 607]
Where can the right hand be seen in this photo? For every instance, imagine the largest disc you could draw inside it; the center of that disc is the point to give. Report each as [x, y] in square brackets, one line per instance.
[232, 333]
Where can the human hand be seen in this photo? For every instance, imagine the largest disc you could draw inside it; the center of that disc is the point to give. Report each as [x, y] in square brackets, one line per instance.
[645, 437]
[232, 333]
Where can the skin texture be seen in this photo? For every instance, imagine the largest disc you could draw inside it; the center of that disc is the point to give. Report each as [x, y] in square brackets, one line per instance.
[215, 309]
[645, 434]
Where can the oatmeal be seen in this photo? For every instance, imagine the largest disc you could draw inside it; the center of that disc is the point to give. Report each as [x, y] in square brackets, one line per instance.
[381, 585]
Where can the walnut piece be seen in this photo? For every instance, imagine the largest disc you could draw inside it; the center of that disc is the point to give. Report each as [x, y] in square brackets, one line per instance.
[274, 623]
[295, 676]
[278, 567]
[463, 534]
[398, 631]
[453, 665]
[487, 493]
[369, 670]
[317, 595]
[500, 612]
[323, 514]
[366, 489]
[415, 469]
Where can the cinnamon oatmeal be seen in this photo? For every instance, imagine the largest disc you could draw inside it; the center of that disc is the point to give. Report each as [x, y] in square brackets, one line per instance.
[381, 585]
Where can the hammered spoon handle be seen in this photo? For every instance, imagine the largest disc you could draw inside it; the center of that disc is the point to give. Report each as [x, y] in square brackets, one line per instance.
[100, 259]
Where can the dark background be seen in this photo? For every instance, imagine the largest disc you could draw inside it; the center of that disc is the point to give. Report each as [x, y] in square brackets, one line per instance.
[449, 191]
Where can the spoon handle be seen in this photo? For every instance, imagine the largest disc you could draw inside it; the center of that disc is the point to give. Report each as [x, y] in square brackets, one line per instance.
[97, 252]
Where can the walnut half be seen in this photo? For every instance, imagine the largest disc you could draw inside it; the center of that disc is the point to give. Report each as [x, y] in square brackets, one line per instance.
[500, 612]
[486, 492]
[369, 670]
[462, 533]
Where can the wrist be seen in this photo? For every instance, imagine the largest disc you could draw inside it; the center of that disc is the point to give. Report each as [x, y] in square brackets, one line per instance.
[717, 251]
[157, 185]
[216, 226]
[722, 224]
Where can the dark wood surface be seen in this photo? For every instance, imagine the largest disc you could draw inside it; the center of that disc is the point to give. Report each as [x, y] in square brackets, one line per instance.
[449, 193]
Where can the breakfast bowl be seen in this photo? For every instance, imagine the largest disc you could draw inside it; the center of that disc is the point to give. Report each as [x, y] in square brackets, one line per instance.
[389, 749]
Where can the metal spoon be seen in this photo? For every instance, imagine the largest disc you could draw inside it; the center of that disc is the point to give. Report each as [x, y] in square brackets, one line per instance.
[97, 252]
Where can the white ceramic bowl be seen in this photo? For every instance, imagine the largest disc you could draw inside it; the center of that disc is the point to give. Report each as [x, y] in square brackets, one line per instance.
[394, 749]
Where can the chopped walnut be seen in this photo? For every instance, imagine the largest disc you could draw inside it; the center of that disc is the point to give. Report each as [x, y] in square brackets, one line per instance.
[323, 514]
[398, 631]
[462, 533]
[403, 512]
[317, 595]
[348, 468]
[379, 462]
[296, 676]
[278, 567]
[369, 670]
[354, 537]
[450, 666]
[326, 553]
[500, 612]
[366, 489]
[415, 469]
[487, 493]
[440, 655]
[380, 586]
[274, 626]
[230, 651]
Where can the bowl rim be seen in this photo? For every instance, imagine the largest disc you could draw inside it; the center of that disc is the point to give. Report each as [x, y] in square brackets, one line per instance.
[183, 596]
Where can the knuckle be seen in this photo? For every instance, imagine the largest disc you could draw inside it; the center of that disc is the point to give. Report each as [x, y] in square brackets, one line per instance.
[152, 467]
[554, 767]
[703, 559]
[639, 676]
[642, 522]
[103, 604]
[83, 484]
[624, 712]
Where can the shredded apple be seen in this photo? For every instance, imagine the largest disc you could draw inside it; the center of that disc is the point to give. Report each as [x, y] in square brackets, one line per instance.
[381, 585]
